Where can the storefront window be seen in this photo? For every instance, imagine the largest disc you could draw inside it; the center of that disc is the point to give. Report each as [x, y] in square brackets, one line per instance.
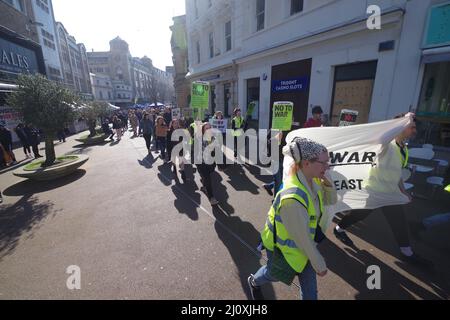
[435, 97]
[252, 115]
[433, 111]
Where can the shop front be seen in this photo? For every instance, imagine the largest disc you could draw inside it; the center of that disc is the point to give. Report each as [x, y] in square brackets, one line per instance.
[433, 110]
[222, 96]
[291, 82]
[17, 56]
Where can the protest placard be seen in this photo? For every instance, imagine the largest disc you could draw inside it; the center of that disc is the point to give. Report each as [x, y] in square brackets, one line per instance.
[200, 95]
[283, 113]
[220, 125]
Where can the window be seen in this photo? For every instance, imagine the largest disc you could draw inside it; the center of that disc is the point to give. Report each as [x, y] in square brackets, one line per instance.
[17, 4]
[296, 6]
[197, 46]
[54, 72]
[435, 97]
[47, 35]
[260, 13]
[228, 35]
[209, 3]
[101, 95]
[227, 96]
[43, 4]
[49, 44]
[211, 45]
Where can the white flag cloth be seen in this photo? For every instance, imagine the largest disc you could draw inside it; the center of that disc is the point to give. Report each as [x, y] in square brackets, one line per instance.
[365, 163]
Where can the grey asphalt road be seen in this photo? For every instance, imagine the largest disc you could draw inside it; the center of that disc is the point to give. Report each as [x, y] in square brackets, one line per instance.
[135, 233]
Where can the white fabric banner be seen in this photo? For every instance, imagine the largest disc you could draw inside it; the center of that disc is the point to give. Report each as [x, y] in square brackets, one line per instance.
[365, 163]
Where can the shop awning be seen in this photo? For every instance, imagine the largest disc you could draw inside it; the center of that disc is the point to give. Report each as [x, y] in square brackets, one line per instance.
[436, 55]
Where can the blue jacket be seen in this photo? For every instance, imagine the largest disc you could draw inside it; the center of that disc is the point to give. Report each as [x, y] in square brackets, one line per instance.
[147, 126]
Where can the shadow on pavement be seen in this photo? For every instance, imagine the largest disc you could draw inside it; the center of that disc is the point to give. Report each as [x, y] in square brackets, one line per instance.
[256, 172]
[221, 194]
[245, 261]
[88, 146]
[16, 166]
[114, 143]
[165, 174]
[351, 265]
[375, 231]
[186, 206]
[29, 187]
[239, 180]
[148, 161]
[18, 219]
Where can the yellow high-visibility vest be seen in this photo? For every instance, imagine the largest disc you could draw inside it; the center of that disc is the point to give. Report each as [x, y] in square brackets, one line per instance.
[238, 122]
[293, 189]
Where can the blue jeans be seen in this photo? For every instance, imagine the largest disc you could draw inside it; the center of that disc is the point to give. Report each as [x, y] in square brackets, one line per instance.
[161, 146]
[278, 178]
[277, 182]
[308, 279]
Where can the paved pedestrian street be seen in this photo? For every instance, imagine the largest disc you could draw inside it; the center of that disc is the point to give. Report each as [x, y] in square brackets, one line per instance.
[135, 233]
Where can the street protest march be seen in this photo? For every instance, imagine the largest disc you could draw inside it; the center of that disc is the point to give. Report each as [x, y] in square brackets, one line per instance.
[356, 152]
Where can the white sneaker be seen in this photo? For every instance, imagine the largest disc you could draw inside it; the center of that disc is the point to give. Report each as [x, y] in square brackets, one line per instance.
[213, 201]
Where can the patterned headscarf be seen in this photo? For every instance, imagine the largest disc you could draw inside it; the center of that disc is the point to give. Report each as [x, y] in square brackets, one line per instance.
[304, 149]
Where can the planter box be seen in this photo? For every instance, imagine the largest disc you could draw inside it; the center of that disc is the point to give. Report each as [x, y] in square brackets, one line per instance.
[93, 141]
[53, 172]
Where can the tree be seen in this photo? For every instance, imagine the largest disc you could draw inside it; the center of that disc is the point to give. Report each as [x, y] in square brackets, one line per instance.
[153, 88]
[46, 104]
[91, 112]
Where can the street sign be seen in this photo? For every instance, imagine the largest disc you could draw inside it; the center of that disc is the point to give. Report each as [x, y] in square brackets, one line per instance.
[200, 95]
[283, 113]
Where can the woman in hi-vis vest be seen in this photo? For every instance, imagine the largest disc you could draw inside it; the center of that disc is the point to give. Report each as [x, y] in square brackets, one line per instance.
[237, 125]
[295, 222]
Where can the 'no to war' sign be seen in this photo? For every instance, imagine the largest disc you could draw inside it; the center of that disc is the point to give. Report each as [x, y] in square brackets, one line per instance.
[283, 113]
[200, 95]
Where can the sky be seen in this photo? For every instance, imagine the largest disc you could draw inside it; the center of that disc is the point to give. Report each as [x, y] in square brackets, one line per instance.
[144, 24]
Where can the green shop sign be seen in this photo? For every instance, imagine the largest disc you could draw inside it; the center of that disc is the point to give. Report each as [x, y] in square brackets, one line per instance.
[438, 26]
[200, 95]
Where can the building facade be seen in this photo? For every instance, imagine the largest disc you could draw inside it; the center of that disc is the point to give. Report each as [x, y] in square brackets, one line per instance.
[18, 16]
[326, 53]
[102, 88]
[214, 41]
[20, 52]
[135, 80]
[180, 61]
[74, 65]
[45, 22]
